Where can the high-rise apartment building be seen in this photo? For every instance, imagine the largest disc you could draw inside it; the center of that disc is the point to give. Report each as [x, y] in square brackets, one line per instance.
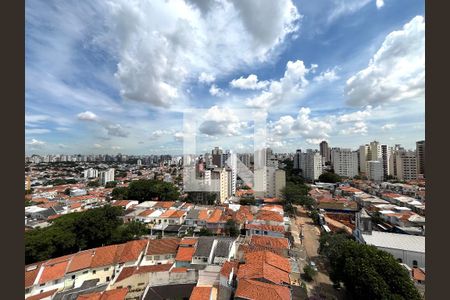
[297, 159]
[325, 152]
[217, 157]
[374, 151]
[311, 164]
[386, 153]
[363, 155]
[374, 170]
[345, 162]
[269, 182]
[106, 176]
[90, 173]
[420, 157]
[406, 165]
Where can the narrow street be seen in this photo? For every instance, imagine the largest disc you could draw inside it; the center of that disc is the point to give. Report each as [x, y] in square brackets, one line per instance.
[308, 248]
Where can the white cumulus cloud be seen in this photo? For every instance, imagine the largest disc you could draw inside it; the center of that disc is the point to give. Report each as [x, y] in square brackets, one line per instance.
[162, 45]
[249, 83]
[396, 72]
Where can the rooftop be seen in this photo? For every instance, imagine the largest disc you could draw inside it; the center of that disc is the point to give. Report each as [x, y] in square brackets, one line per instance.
[256, 290]
[396, 241]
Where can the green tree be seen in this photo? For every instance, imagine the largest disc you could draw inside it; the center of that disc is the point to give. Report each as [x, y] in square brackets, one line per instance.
[129, 231]
[367, 272]
[147, 189]
[120, 193]
[77, 231]
[111, 184]
[93, 183]
[329, 177]
[309, 272]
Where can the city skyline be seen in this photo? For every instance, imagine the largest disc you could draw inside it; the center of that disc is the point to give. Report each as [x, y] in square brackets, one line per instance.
[120, 82]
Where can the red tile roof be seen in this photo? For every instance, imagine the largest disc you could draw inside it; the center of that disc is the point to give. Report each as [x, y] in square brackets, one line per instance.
[256, 290]
[215, 216]
[203, 214]
[267, 215]
[273, 228]
[121, 203]
[185, 254]
[81, 260]
[270, 258]
[132, 250]
[53, 271]
[164, 204]
[418, 274]
[243, 214]
[104, 256]
[129, 271]
[42, 295]
[168, 213]
[146, 213]
[116, 294]
[30, 276]
[178, 270]
[201, 293]
[163, 246]
[188, 241]
[271, 242]
[228, 266]
[263, 271]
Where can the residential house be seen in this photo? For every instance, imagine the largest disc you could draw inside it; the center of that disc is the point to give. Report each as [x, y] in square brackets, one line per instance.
[161, 251]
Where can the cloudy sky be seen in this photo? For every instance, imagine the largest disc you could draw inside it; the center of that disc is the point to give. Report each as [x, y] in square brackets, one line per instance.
[119, 76]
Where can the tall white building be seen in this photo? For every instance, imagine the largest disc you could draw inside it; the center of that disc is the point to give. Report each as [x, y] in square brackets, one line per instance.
[406, 165]
[269, 182]
[311, 164]
[90, 173]
[374, 170]
[106, 176]
[345, 162]
[374, 151]
[220, 177]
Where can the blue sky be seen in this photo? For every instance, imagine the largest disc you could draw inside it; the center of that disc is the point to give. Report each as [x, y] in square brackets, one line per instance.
[117, 76]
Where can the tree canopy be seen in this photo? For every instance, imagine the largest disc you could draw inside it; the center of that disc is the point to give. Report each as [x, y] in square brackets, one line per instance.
[77, 231]
[367, 272]
[329, 177]
[147, 189]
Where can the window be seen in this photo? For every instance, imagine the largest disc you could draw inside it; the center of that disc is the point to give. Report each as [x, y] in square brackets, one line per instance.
[156, 257]
[107, 278]
[119, 287]
[168, 256]
[42, 284]
[56, 281]
[141, 283]
[399, 260]
[85, 272]
[94, 271]
[106, 269]
[415, 263]
[265, 232]
[73, 276]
